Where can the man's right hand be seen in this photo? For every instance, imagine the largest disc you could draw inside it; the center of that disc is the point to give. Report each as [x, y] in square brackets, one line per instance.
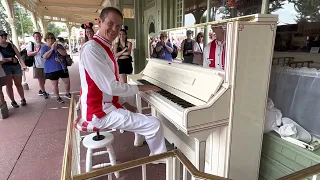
[148, 88]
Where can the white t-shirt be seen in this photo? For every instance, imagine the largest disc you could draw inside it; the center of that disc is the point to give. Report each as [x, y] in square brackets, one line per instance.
[2, 73]
[198, 58]
[38, 61]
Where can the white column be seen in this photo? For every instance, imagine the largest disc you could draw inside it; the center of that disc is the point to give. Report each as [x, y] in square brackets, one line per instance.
[207, 28]
[69, 27]
[9, 10]
[43, 25]
[265, 7]
[34, 21]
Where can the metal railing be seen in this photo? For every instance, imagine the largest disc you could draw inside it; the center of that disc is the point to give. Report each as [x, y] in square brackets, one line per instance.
[71, 161]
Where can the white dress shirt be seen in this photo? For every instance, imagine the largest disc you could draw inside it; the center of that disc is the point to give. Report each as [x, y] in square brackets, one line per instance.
[99, 85]
[218, 54]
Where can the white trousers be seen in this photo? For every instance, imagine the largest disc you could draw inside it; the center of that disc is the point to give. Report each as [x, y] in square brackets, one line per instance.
[147, 126]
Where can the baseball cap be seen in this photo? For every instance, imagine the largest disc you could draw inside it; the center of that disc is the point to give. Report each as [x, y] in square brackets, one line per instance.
[2, 32]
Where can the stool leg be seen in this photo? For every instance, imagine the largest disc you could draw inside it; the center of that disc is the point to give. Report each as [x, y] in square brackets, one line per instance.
[113, 159]
[89, 160]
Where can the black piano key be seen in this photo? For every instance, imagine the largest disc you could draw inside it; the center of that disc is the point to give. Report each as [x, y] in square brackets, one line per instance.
[170, 96]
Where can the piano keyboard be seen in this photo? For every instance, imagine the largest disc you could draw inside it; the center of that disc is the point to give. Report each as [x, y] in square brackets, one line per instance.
[173, 98]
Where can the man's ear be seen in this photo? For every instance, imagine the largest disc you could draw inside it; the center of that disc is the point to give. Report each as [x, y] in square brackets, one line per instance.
[99, 21]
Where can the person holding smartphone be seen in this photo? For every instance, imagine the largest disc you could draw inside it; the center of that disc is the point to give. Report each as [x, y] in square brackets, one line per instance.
[13, 67]
[164, 48]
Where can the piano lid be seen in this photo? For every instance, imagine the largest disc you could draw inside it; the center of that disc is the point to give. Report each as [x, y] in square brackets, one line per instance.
[195, 81]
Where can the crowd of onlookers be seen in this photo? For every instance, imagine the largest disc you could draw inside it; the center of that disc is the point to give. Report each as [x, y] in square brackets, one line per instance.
[191, 49]
[49, 60]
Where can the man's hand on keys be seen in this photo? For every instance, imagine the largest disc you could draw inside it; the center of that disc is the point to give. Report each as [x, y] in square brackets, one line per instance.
[145, 88]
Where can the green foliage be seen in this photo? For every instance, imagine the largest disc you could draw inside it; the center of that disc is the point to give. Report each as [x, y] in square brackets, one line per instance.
[23, 21]
[4, 25]
[308, 10]
[54, 29]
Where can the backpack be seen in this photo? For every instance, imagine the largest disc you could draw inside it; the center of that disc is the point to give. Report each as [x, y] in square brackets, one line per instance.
[28, 60]
[174, 53]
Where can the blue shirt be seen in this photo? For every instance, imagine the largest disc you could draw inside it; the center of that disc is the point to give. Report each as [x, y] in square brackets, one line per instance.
[51, 65]
[164, 53]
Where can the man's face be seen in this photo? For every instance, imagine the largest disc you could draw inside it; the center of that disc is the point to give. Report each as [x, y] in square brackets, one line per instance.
[219, 31]
[37, 37]
[110, 27]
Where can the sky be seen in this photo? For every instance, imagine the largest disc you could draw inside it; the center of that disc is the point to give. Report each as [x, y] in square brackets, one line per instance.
[287, 15]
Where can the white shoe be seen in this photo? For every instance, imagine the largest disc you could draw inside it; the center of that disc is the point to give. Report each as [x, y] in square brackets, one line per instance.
[161, 161]
[138, 140]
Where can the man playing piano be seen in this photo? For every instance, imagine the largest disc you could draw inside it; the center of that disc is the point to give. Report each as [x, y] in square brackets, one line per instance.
[214, 52]
[101, 106]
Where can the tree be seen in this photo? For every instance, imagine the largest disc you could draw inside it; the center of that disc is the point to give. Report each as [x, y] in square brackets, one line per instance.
[54, 29]
[308, 10]
[4, 25]
[22, 20]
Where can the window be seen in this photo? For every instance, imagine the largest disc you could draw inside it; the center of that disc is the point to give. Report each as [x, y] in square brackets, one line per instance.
[179, 13]
[299, 24]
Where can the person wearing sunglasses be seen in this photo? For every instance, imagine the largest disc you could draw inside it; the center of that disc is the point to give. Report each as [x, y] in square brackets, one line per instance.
[13, 66]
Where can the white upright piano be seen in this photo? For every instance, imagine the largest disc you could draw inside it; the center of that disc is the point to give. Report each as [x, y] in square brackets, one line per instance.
[216, 118]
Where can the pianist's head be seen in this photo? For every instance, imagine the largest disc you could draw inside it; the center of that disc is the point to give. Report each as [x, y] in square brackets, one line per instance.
[110, 23]
[219, 32]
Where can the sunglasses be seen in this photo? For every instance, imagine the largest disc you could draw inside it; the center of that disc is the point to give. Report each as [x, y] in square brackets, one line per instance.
[4, 35]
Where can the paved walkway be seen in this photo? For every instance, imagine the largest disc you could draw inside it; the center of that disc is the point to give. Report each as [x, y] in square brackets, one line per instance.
[32, 138]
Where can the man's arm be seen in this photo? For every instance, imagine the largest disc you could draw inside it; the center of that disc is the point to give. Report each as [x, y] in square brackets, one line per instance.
[96, 65]
[31, 52]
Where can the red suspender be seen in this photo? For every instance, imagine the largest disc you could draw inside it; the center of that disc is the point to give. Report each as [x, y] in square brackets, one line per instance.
[115, 99]
[212, 54]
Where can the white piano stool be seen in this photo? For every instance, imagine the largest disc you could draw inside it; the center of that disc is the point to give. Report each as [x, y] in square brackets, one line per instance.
[95, 141]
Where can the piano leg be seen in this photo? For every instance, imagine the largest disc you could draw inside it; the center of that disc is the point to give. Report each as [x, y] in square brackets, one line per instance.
[176, 168]
[138, 103]
[201, 154]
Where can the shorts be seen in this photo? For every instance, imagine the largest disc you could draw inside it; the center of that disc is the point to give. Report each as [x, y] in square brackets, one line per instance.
[125, 66]
[2, 81]
[38, 73]
[14, 69]
[57, 74]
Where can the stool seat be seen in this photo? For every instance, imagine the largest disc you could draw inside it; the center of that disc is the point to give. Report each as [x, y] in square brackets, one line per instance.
[88, 141]
[96, 140]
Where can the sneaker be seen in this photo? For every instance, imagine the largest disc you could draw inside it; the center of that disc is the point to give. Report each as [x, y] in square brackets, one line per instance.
[23, 102]
[45, 95]
[68, 96]
[59, 100]
[14, 104]
[40, 93]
